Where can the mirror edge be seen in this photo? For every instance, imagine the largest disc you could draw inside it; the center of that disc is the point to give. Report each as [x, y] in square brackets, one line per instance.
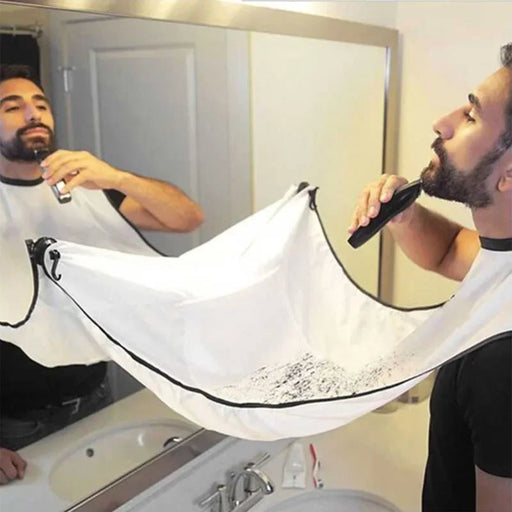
[260, 19]
[218, 13]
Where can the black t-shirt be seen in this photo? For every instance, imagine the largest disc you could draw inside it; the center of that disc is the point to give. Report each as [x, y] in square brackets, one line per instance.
[25, 384]
[470, 425]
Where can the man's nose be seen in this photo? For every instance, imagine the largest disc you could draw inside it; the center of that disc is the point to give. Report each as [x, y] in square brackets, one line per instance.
[32, 114]
[445, 126]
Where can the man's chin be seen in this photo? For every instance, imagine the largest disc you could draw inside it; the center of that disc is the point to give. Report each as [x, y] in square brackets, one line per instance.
[36, 143]
[28, 153]
[429, 173]
[430, 179]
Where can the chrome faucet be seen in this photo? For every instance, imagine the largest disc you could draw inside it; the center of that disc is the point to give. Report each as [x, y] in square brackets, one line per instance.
[243, 490]
[253, 480]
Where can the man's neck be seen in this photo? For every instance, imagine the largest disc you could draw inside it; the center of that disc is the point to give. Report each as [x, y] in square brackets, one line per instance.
[19, 170]
[494, 221]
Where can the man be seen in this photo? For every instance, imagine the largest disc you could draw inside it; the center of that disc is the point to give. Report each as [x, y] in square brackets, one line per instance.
[36, 400]
[469, 465]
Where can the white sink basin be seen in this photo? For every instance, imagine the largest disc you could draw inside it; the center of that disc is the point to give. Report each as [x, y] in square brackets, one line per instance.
[110, 454]
[334, 500]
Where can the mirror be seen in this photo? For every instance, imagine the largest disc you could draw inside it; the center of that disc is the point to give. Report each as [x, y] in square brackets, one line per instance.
[233, 113]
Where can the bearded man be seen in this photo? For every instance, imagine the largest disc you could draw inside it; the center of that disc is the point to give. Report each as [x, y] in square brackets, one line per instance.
[35, 400]
[469, 465]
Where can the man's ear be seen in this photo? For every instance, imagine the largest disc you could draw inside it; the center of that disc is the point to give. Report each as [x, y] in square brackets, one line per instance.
[505, 180]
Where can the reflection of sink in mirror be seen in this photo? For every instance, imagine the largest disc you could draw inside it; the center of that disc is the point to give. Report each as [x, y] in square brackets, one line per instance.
[110, 454]
[334, 500]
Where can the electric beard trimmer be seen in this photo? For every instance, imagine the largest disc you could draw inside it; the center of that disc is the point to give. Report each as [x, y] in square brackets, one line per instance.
[40, 155]
[402, 199]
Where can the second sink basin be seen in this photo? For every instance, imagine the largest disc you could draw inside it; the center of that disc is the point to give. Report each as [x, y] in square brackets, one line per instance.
[334, 500]
[110, 454]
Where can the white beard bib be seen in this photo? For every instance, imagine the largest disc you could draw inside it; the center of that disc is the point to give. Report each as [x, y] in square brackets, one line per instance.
[258, 333]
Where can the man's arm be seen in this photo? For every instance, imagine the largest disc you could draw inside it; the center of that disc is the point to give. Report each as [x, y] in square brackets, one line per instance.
[154, 204]
[435, 243]
[493, 493]
[149, 203]
[430, 240]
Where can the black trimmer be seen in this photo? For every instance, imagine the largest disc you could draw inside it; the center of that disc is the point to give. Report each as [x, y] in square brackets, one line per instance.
[402, 199]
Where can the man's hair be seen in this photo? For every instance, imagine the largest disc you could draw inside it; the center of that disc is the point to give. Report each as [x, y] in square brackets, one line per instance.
[506, 55]
[506, 61]
[8, 71]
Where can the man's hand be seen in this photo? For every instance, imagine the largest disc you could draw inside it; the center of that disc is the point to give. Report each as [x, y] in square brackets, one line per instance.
[430, 240]
[149, 203]
[79, 168]
[372, 196]
[12, 466]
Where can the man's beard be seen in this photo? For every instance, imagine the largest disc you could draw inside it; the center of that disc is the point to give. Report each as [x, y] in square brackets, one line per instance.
[447, 182]
[18, 150]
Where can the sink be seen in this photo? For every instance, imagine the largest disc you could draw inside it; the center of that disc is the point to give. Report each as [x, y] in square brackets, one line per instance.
[111, 453]
[334, 500]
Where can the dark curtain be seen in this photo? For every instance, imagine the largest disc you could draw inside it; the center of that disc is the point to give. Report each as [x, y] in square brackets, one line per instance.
[20, 49]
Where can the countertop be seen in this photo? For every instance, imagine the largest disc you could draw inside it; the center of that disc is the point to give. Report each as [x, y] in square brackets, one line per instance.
[381, 453]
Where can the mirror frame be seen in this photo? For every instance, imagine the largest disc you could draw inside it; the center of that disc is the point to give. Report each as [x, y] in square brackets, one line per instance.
[238, 16]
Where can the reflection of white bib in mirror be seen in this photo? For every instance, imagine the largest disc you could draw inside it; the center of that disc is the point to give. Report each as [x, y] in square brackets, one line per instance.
[260, 333]
[29, 210]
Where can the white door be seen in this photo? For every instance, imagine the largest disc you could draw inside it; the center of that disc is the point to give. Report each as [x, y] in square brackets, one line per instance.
[164, 100]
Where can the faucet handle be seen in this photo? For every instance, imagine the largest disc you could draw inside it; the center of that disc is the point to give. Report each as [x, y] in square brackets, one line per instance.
[218, 500]
[259, 461]
[256, 480]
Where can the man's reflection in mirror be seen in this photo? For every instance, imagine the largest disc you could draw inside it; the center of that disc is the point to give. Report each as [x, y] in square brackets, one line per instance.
[35, 400]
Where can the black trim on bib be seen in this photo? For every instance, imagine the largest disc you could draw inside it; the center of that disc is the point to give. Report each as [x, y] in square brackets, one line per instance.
[35, 277]
[257, 405]
[357, 285]
[21, 183]
[496, 244]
